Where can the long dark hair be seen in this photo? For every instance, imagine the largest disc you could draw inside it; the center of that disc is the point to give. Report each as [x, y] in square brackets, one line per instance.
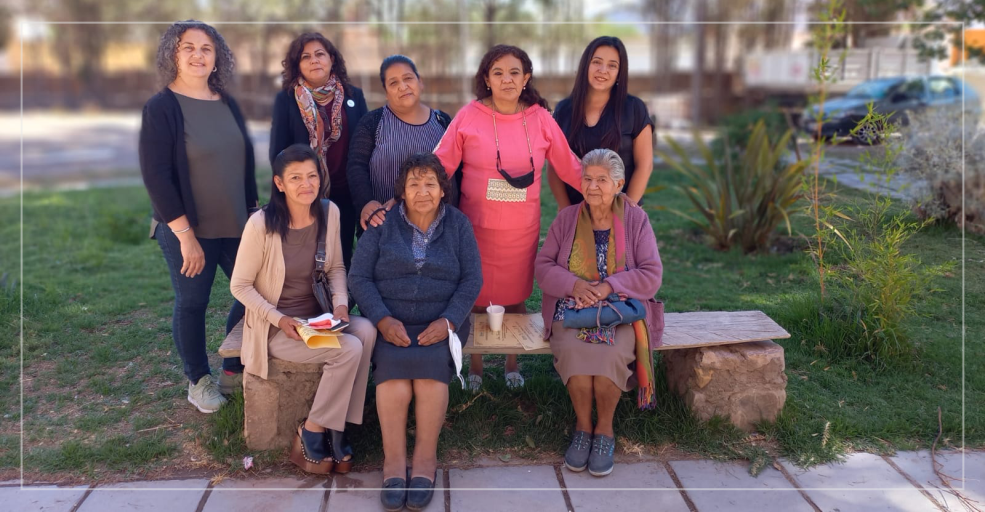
[529, 95]
[617, 96]
[292, 62]
[276, 215]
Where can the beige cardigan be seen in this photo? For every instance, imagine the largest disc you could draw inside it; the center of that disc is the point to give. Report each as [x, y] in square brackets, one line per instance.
[258, 279]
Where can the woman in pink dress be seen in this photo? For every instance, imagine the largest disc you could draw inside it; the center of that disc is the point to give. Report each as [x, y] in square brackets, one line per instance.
[502, 140]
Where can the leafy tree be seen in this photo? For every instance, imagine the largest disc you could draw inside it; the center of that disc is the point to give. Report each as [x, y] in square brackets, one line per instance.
[932, 41]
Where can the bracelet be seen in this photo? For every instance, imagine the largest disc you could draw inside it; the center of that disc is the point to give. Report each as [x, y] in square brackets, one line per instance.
[182, 230]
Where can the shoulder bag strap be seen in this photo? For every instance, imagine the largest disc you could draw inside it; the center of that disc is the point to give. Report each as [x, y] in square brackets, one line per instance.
[320, 251]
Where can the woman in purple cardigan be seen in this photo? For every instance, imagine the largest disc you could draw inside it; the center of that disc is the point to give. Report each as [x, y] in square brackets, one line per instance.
[600, 246]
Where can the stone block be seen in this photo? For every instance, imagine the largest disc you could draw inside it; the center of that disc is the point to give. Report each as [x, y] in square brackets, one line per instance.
[652, 489]
[41, 499]
[506, 489]
[920, 468]
[714, 486]
[274, 407]
[864, 481]
[268, 495]
[155, 495]
[744, 382]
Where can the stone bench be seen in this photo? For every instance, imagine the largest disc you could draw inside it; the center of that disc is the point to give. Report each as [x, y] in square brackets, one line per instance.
[721, 363]
[273, 407]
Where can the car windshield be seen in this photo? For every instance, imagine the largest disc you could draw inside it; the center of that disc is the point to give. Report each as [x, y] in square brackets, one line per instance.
[876, 89]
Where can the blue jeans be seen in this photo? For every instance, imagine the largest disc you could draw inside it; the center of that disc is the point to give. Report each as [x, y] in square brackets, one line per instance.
[191, 300]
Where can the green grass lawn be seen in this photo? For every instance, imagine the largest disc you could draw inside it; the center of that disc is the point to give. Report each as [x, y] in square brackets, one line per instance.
[104, 396]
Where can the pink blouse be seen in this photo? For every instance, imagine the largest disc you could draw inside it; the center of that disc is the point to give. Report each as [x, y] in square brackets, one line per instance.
[470, 139]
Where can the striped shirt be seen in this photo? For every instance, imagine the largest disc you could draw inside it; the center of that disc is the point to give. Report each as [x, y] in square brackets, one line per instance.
[395, 141]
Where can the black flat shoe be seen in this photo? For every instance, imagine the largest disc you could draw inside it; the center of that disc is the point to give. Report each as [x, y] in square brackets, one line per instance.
[339, 447]
[419, 492]
[394, 494]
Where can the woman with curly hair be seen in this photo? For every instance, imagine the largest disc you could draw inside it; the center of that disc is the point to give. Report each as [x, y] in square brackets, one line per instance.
[196, 160]
[502, 139]
[318, 106]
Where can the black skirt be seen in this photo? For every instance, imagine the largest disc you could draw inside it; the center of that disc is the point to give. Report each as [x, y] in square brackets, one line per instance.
[415, 362]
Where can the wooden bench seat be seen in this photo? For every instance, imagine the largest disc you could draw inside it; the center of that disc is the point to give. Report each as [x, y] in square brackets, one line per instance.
[721, 363]
[681, 330]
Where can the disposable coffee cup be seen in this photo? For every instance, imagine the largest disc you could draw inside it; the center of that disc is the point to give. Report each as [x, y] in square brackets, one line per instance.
[495, 314]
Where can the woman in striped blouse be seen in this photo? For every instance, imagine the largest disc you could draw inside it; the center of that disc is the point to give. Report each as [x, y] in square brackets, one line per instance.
[386, 136]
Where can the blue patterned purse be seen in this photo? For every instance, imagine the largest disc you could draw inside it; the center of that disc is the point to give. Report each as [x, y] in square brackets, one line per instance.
[608, 312]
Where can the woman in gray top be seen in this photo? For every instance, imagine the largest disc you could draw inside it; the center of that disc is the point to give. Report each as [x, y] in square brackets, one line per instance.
[415, 276]
[197, 163]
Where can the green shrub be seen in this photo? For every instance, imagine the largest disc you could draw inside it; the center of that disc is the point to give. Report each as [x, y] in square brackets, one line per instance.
[872, 289]
[938, 148]
[737, 128]
[741, 203]
[878, 282]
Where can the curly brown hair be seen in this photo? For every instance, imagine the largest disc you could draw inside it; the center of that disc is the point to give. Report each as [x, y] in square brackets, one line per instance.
[167, 55]
[292, 62]
[529, 95]
[422, 163]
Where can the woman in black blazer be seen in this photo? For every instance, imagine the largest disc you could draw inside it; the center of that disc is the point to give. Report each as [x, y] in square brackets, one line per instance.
[196, 160]
[319, 107]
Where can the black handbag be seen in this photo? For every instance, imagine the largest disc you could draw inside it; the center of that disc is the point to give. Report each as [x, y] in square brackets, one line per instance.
[608, 312]
[319, 279]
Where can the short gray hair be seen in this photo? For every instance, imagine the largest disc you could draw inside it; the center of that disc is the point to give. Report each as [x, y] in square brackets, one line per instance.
[606, 159]
[167, 55]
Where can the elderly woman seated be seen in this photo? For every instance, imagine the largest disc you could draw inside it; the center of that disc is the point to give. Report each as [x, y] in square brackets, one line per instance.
[416, 277]
[601, 246]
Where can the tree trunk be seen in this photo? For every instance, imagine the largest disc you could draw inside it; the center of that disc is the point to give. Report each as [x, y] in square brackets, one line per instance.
[699, 62]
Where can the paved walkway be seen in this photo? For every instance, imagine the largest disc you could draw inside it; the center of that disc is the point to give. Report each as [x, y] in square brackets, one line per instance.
[865, 482]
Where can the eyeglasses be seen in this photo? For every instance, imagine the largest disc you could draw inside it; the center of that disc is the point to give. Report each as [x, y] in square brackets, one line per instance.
[525, 180]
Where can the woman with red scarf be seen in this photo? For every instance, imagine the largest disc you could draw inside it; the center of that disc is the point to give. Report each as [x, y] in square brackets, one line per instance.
[319, 107]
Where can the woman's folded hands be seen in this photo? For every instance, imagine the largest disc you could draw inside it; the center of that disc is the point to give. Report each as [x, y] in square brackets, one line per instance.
[588, 293]
[393, 331]
[437, 331]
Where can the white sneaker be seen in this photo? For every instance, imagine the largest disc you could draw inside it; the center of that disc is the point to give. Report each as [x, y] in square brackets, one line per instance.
[205, 395]
[514, 380]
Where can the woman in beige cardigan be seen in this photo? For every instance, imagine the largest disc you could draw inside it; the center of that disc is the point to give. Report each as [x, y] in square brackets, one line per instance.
[272, 278]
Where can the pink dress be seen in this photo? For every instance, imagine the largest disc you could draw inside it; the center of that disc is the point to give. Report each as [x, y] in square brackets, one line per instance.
[506, 220]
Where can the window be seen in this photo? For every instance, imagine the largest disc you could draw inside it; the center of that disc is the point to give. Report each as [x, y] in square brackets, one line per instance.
[942, 88]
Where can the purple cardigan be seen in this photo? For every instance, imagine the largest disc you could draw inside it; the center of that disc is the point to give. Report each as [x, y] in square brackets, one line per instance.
[640, 281]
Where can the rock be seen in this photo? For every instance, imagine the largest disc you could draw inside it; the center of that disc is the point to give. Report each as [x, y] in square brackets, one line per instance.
[744, 382]
[274, 407]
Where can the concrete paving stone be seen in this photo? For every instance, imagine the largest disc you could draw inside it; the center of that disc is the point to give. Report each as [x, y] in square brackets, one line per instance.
[265, 494]
[46, 498]
[361, 491]
[657, 490]
[919, 466]
[132, 496]
[504, 498]
[739, 490]
[847, 486]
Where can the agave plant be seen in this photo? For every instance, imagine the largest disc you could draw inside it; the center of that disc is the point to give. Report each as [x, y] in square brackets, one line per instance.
[742, 203]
